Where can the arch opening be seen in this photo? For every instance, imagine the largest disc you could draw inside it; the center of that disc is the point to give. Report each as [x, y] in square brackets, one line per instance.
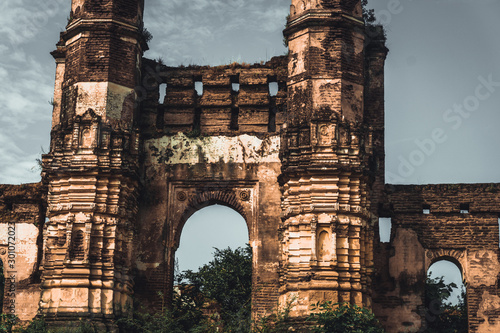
[215, 225]
[445, 296]
[213, 267]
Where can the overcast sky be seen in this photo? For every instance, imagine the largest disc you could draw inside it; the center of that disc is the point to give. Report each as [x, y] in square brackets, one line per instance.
[442, 75]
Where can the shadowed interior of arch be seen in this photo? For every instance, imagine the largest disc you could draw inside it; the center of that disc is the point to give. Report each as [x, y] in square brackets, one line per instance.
[215, 226]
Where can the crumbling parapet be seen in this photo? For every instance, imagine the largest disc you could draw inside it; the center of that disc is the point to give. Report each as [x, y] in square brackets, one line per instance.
[22, 216]
[456, 222]
[222, 100]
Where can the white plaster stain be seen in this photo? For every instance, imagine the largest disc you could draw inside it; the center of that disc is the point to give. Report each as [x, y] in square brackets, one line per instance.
[180, 149]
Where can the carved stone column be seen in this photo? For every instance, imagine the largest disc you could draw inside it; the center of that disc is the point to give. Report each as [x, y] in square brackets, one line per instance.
[327, 146]
[92, 167]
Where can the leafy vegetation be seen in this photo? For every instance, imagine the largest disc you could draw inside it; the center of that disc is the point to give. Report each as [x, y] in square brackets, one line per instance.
[6, 322]
[227, 280]
[344, 318]
[217, 297]
[442, 316]
[368, 14]
[9, 324]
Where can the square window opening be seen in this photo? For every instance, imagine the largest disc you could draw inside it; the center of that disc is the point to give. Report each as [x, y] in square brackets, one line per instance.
[464, 208]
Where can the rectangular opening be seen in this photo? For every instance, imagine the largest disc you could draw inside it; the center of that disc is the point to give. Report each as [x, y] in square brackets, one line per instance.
[273, 88]
[271, 125]
[464, 208]
[235, 113]
[198, 85]
[235, 84]
[160, 117]
[162, 93]
[426, 209]
[197, 120]
[384, 229]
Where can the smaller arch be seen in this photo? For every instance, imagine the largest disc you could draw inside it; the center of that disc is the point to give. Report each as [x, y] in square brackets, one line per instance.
[324, 246]
[455, 256]
[451, 259]
[448, 273]
[77, 250]
[205, 199]
[86, 139]
[206, 229]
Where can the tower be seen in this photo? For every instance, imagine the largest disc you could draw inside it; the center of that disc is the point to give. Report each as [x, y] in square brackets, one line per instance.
[327, 150]
[91, 169]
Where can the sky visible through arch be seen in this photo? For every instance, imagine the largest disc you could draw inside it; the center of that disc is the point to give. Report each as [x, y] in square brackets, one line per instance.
[442, 75]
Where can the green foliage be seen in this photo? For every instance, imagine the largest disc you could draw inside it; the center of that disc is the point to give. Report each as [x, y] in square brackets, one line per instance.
[344, 318]
[194, 133]
[38, 325]
[368, 14]
[277, 322]
[146, 35]
[227, 280]
[7, 322]
[225, 283]
[442, 316]
[157, 323]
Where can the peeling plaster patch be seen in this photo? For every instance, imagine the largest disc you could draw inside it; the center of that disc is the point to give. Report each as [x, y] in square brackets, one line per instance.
[105, 98]
[26, 249]
[92, 95]
[143, 266]
[489, 307]
[180, 149]
[410, 255]
[117, 95]
[483, 268]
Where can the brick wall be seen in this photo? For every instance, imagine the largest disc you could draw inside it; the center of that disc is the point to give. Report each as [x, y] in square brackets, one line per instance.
[461, 225]
[236, 98]
[22, 215]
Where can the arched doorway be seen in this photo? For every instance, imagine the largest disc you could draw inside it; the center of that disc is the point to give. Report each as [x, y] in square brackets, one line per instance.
[445, 297]
[213, 275]
[215, 226]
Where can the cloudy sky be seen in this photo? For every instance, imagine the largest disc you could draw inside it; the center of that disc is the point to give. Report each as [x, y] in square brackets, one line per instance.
[442, 75]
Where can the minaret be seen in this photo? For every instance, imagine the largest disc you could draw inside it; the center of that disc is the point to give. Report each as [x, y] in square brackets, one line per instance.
[91, 169]
[326, 230]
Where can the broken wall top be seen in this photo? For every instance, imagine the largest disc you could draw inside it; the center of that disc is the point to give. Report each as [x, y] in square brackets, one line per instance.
[23, 203]
[235, 99]
[444, 198]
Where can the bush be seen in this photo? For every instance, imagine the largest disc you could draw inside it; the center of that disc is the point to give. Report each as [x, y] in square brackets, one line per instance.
[7, 322]
[344, 318]
[442, 316]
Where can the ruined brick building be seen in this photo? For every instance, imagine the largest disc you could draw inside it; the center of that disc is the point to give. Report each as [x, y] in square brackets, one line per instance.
[304, 167]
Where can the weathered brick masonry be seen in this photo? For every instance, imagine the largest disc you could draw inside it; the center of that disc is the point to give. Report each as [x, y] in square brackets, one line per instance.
[461, 226]
[22, 216]
[295, 145]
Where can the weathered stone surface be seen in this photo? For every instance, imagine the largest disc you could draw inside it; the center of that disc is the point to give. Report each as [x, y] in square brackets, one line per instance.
[22, 213]
[304, 167]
